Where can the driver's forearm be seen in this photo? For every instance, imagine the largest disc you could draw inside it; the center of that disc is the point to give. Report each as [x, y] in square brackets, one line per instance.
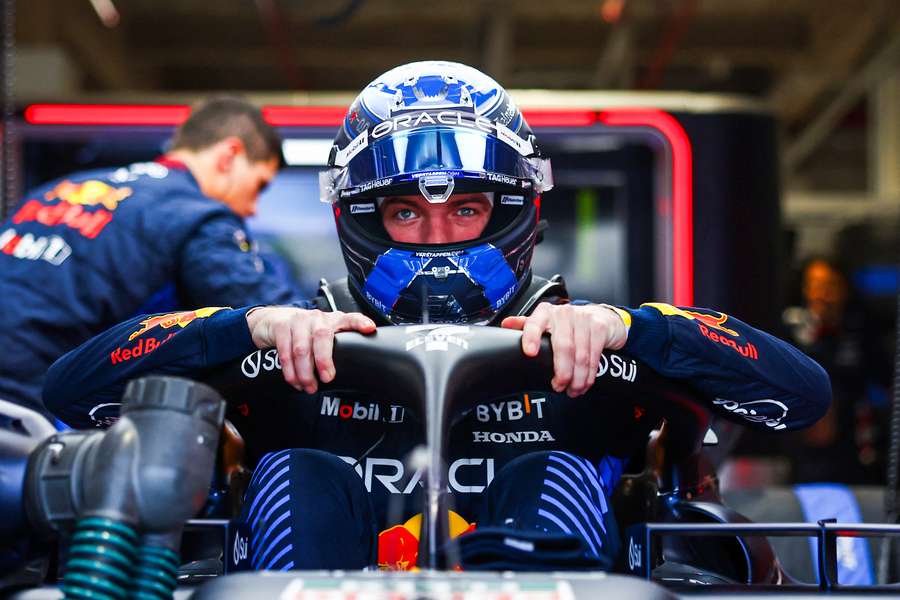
[752, 377]
[84, 387]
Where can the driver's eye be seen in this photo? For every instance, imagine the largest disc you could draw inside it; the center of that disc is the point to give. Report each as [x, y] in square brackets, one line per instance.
[404, 214]
[466, 211]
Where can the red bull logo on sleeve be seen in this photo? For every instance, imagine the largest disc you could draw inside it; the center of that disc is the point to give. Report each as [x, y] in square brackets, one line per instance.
[707, 323]
[88, 193]
[180, 319]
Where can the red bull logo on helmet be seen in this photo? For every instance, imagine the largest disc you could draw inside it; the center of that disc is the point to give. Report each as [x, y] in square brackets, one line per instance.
[89, 193]
[180, 319]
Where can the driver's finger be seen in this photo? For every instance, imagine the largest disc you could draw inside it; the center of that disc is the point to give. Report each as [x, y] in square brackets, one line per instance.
[354, 322]
[598, 341]
[562, 340]
[535, 326]
[513, 323]
[323, 348]
[581, 332]
[301, 355]
[282, 333]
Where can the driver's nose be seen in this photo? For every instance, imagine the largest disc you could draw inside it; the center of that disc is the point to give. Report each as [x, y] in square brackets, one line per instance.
[438, 231]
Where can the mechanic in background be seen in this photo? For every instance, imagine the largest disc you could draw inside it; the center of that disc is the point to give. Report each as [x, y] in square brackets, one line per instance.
[847, 444]
[85, 252]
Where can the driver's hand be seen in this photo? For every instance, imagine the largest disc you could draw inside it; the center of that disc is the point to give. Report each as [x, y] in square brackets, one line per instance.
[304, 340]
[578, 334]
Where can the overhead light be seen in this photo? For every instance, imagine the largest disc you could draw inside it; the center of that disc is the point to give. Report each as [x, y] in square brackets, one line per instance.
[307, 153]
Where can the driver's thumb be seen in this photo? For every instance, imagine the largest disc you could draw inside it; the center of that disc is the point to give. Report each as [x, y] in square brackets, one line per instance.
[513, 323]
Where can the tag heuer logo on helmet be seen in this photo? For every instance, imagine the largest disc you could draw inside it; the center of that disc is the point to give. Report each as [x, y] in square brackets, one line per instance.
[360, 209]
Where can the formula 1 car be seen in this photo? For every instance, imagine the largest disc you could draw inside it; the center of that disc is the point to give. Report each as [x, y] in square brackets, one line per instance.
[107, 509]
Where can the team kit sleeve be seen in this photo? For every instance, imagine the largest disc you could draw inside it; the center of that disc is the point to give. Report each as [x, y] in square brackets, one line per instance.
[750, 376]
[84, 387]
[220, 265]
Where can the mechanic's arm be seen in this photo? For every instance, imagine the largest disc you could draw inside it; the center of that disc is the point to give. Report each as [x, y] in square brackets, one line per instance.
[94, 375]
[219, 265]
[753, 377]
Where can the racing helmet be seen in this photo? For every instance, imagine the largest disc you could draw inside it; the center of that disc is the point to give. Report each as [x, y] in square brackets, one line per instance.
[433, 129]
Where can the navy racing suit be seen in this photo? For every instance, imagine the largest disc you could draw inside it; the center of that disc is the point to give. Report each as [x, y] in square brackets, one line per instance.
[83, 253]
[538, 462]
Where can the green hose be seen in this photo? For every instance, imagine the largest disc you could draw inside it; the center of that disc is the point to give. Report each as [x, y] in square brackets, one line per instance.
[156, 573]
[101, 555]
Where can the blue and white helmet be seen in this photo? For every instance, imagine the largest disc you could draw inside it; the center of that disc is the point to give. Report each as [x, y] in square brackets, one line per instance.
[434, 128]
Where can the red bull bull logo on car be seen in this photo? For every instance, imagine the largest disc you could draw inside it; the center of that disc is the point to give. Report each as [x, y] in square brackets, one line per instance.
[181, 319]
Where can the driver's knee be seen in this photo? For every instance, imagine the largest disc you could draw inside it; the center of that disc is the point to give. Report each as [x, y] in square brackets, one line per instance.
[308, 509]
[556, 492]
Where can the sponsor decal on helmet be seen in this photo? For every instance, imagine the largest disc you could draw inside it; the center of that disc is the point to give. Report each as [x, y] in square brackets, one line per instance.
[180, 319]
[512, 200]
[362, 208]
[770, 412]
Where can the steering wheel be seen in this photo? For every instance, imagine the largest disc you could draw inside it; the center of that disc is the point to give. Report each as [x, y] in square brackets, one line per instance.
[438, 371]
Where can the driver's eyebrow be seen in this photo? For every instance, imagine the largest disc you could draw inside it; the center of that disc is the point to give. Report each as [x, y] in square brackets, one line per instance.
[397, 200]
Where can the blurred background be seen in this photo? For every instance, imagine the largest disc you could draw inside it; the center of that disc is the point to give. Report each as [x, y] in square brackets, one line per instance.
[738, 154]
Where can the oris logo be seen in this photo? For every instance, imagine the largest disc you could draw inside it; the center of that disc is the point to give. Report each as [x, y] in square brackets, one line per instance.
[615, 366]
[257, 362]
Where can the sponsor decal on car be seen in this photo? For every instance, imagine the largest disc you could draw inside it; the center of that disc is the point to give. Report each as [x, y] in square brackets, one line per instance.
[180, 319]
[510, 410]
[390, 474]
[512, 437]
[770, 412]
[333, 406]
[259, 361]
[616, 367]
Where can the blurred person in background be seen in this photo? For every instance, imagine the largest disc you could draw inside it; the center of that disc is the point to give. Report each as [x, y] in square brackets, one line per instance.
[847, 444]
[82, 253]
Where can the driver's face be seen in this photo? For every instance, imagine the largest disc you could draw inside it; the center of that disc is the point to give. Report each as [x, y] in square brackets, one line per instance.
[413, 220]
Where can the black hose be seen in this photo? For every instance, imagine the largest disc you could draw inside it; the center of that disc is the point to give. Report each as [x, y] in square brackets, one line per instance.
[891, 509]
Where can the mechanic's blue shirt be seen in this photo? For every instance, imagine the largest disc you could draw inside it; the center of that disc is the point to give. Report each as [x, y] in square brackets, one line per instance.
[746, 375]
[81, 254]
